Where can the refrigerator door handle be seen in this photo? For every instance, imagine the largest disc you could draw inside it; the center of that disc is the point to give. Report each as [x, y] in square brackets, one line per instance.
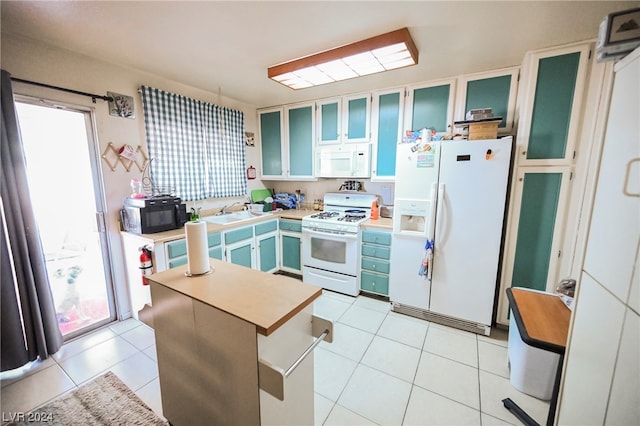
[439, 209]
[432, 212]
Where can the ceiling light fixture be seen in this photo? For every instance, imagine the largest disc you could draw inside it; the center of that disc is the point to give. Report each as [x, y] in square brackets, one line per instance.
[376, 54]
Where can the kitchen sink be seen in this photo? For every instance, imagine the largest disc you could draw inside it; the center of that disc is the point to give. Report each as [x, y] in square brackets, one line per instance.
[226, 219]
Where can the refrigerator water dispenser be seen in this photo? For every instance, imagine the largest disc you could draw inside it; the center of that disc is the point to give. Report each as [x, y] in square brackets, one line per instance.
[411, 216]
[412, 223]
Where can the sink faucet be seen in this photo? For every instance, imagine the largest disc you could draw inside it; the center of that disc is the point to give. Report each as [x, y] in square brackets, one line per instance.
[225, 208]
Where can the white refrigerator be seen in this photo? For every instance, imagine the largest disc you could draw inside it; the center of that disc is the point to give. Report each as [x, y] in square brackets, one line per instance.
[452, 194]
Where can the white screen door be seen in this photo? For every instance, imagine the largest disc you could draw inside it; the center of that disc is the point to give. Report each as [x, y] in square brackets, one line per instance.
[65, 190]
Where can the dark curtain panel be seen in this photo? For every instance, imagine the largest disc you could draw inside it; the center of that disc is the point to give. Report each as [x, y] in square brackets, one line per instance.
[29, 324]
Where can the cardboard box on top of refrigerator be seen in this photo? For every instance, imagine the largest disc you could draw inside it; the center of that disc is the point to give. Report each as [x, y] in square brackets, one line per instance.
[481, 129]
[484, 130]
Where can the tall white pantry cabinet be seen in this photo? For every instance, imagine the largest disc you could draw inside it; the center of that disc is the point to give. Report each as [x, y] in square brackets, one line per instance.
[602, 373]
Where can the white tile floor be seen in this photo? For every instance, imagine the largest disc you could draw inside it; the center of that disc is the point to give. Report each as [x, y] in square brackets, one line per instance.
[382, 368]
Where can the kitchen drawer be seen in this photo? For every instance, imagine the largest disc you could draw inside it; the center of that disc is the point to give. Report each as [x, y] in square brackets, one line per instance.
[214, 239]
[375, 283]
[383, 238]
[216, 252]
[376, 251]
[240, 234]
[375, 265]
[290, 225]
[177, 248]
[263, 228]
[178, 262]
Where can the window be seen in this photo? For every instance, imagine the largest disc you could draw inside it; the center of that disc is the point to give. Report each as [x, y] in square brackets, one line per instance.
[196, 148]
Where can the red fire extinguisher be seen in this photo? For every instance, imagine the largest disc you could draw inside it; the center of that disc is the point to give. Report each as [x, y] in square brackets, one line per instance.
[146, 265]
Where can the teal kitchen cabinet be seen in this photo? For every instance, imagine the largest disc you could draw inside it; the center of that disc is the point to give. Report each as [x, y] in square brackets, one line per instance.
[266, 235]
[495, 89]
[300, 121]
[387, 113]
[344, 119]
[271, 125]
[543, 198]
[286, 142]
[176, 251]
[214, 240]
[551, 98]
[239, 247]
[254, 246]
[290, 237]
[374, 263]
[554, 82]
[430, 105]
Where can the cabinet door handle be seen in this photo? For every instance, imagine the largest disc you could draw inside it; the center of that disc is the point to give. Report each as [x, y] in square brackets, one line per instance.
[626, 179]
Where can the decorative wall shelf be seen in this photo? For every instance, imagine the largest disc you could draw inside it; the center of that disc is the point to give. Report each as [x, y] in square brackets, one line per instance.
[111, 156]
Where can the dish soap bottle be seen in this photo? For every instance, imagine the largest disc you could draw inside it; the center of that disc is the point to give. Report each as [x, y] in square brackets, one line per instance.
[374, 210]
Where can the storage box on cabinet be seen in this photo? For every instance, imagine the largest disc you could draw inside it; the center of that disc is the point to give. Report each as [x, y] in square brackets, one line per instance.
[376, 250]
[290, 234]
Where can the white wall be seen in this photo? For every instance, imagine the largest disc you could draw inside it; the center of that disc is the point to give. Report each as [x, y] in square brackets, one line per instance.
[34, 61]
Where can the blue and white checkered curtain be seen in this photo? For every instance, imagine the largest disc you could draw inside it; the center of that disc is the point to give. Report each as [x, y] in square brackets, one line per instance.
[197, 148]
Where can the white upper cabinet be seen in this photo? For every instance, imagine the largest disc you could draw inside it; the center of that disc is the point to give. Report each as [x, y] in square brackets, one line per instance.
[271, 125]
[430, 105]
[344, 119]
[551, 101]
[494, 89]
[287, 142]
[386, 132]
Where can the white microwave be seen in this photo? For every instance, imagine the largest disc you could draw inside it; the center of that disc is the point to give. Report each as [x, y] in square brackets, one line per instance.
[344, 161]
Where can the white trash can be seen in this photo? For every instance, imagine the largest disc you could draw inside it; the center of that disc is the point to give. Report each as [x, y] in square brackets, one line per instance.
[533, 370]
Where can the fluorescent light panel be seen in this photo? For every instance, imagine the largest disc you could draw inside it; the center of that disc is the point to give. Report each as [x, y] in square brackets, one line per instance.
[377, 54]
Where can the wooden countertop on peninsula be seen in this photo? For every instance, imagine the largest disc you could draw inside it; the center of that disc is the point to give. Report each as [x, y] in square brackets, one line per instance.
[265, 300]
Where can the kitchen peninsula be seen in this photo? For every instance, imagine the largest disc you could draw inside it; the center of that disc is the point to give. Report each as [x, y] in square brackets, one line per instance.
[220, 337]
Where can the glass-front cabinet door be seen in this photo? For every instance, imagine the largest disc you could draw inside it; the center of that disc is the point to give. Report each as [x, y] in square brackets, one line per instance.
[286, 142]
[356, 117]
[345, 119]
[430, 106]
[553, 92]
[329, 126]
[495, 89]
[387, 118]
[537, 223]
[300, 136]
[271, 136]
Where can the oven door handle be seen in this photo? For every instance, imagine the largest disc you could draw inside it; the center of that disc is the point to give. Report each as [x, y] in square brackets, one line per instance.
[329, 234]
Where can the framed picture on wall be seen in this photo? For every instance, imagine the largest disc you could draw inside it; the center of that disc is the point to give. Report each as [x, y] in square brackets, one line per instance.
[121, 105]
[623, 26]
[619, 34]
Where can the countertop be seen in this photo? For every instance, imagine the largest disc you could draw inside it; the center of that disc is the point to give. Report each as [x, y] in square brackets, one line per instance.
[265, 300]
[381, 223]
[295, 214]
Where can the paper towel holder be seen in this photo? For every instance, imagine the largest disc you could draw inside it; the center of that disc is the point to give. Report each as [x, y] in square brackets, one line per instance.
[190, 275]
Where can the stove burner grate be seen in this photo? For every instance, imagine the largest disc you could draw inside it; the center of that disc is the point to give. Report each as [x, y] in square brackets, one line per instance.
[325, 215]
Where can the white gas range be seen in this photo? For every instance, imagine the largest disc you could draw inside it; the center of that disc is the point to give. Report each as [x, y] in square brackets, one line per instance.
[331, 241]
